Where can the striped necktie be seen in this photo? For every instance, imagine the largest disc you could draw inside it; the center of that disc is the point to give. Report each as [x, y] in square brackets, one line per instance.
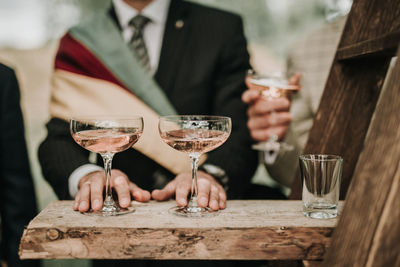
[137, 42]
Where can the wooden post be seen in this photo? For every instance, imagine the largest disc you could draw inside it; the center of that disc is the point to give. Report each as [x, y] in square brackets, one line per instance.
[369, 40]
[368, 233]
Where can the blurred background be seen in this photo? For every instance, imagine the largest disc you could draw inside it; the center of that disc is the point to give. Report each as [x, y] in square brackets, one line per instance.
[29, 33]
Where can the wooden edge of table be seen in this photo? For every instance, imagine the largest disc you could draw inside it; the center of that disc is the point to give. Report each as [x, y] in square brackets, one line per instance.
[247, 229]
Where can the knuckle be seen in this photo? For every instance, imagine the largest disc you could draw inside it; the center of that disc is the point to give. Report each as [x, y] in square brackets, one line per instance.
[181, 188]
[170, 186]
[181, 185]
[285, 102]
[254, 135]
[265, 121]
[120, 180]
[202, 181]
[95, 175]
[202, 194]
[214, 188]
[97, 179]
[116, 172]
[260, 107]
[87, 183]
[182, 178]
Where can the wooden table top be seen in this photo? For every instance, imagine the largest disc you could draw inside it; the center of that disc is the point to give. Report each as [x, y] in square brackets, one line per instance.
[246, 229]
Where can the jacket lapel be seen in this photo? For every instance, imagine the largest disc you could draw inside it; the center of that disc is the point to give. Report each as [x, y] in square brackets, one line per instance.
[174, 40]
[103, 38]
[113, 16]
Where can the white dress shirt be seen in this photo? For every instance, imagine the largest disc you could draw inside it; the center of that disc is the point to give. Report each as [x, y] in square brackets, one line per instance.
[153, 33]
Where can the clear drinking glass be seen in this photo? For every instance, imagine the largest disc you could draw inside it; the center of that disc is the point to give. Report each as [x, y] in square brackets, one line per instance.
[194, 135]
[320, 175]
[107, 136]
[272, 86]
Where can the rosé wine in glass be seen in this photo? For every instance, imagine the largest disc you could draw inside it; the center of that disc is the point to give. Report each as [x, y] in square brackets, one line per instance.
[103, 141]
[194, 135]
[107, 136]
[194, 140]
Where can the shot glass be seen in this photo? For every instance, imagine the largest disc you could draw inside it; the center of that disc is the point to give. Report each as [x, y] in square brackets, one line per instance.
[320, 177]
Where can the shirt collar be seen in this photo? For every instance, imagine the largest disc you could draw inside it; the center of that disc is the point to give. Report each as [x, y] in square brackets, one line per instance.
[156, 11]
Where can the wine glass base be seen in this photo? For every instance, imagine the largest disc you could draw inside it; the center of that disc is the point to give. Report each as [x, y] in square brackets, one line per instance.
[198, 212]
[108, 213]
[272, 149]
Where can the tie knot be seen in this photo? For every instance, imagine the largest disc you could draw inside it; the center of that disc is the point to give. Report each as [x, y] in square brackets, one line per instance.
[138, 22]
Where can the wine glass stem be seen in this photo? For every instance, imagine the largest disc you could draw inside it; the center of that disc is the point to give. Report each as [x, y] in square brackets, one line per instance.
[108, 201]
[193, 193]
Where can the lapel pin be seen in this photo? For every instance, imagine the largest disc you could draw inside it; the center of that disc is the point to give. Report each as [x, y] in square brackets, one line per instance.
[179, 24]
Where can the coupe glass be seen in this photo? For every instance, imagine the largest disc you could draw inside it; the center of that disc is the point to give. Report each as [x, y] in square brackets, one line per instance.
[194, 135]
[270, 87]
[107, 136]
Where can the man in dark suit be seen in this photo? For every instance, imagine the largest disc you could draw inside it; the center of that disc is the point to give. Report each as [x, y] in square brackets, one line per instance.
[198, 59]
[17, 196]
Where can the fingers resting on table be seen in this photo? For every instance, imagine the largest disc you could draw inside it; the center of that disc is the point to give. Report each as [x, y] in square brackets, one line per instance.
[210, 192]
[91, 187]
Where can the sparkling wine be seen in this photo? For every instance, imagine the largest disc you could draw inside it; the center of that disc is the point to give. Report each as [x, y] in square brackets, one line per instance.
[194, 140]
[106, 140]
[274, 88]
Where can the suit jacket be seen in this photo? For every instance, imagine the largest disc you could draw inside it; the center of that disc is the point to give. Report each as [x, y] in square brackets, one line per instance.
[17, 197]
[202, 68]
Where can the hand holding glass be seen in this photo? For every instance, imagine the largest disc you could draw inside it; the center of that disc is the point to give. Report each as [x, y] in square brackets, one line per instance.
[107, 136]
[194, 135]
[272, 87]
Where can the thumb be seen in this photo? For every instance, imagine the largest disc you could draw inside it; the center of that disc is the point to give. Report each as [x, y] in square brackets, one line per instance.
[166, 193]
[295, 79]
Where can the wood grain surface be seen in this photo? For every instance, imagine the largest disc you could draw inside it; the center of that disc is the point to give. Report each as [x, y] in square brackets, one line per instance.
[247, 229]
[368, 233]
[385, 45]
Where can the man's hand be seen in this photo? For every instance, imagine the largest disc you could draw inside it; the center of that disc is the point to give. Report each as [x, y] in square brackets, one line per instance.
[210, 192]
[267, 116]
[91, 188]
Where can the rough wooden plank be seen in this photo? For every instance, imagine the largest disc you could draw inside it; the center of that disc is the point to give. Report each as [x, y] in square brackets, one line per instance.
[245, 230]
[368, 233]
[385, 45]
[385, 248]
[312, 263]
[369, 19]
